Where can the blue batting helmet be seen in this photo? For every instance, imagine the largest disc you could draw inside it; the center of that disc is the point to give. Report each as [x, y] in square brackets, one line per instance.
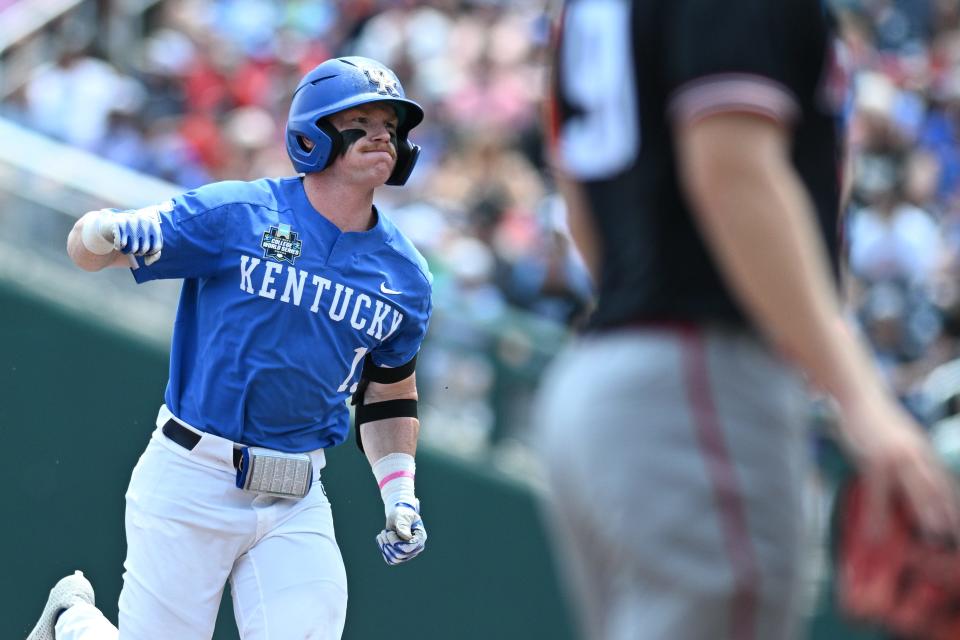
[336, 85]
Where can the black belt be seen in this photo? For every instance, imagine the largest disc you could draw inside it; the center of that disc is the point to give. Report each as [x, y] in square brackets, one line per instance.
[189, 439]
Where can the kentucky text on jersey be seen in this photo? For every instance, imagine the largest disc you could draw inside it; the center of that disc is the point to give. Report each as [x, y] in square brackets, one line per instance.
[278, 310]
[259, 278]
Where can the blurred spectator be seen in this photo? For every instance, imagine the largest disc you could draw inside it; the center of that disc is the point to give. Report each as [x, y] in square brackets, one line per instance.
[73, 98]
[901, 230]
[890, 238]
[550, 279]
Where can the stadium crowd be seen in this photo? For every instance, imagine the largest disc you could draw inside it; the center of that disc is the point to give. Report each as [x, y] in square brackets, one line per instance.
[903, 224]
[204, 97]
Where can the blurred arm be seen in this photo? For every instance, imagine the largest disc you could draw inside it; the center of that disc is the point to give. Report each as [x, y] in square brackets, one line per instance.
[759, 223]
[756, 217]
[582, 226]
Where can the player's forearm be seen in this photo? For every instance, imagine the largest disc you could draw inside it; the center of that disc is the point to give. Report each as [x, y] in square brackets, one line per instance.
[760, 225]
[582, 226]
[81, 255]
[393, 435]
[390, 445]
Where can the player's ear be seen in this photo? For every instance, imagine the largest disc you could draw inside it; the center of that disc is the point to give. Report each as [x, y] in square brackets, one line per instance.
[305, 143]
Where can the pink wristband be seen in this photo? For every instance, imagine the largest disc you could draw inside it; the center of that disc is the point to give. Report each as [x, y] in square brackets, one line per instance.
[395, 475]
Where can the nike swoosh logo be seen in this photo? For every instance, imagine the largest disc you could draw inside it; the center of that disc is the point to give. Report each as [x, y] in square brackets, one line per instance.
[389, 292]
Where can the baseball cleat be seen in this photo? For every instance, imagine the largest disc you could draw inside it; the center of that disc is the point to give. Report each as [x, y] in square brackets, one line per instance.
[74, 589]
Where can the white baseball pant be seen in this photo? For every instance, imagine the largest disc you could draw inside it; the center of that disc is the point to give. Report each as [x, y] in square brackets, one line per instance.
[189, 530]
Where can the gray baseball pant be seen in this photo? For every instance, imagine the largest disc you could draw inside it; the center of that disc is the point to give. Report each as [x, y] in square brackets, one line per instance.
[677, 457]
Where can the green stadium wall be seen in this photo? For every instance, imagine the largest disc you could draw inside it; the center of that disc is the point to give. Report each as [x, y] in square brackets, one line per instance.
[78, 406]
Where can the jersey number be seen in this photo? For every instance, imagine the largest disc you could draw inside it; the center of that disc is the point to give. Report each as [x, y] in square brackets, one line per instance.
[597, 78]
[357, 359]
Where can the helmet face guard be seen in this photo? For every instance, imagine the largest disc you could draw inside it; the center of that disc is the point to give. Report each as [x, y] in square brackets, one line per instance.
[337, 85]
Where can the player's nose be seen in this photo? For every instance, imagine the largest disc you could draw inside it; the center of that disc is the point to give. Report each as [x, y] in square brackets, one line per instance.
[379, 133]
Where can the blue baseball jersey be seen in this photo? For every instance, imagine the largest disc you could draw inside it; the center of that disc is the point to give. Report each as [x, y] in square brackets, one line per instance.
[278, 310]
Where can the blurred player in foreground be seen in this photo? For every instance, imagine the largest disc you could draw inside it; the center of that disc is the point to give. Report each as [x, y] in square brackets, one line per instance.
[698, 147]
[297, 293]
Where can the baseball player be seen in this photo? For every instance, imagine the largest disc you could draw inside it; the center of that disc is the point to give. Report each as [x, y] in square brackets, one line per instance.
[697, 143]
[297, 294]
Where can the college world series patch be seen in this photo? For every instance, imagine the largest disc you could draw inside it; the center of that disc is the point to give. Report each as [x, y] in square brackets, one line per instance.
[281, 244]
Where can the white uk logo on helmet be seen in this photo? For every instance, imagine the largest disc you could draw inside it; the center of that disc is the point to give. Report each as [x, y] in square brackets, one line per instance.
[386, 83]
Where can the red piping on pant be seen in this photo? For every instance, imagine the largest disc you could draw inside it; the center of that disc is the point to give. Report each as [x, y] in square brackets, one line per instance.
[723, 477]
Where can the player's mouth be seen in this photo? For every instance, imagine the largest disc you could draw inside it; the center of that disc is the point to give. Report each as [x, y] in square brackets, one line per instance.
[387, 150]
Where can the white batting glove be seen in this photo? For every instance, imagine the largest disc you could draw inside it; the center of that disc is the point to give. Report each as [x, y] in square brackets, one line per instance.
[404, 537]
[131, 232]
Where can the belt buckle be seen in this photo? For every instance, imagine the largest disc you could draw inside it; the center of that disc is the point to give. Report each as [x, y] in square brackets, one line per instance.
[274, 473]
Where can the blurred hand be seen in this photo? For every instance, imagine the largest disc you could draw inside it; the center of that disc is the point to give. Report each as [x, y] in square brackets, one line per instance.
[897, 461]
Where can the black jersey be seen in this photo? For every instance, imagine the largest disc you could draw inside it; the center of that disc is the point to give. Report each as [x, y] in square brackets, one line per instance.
[626, 72]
